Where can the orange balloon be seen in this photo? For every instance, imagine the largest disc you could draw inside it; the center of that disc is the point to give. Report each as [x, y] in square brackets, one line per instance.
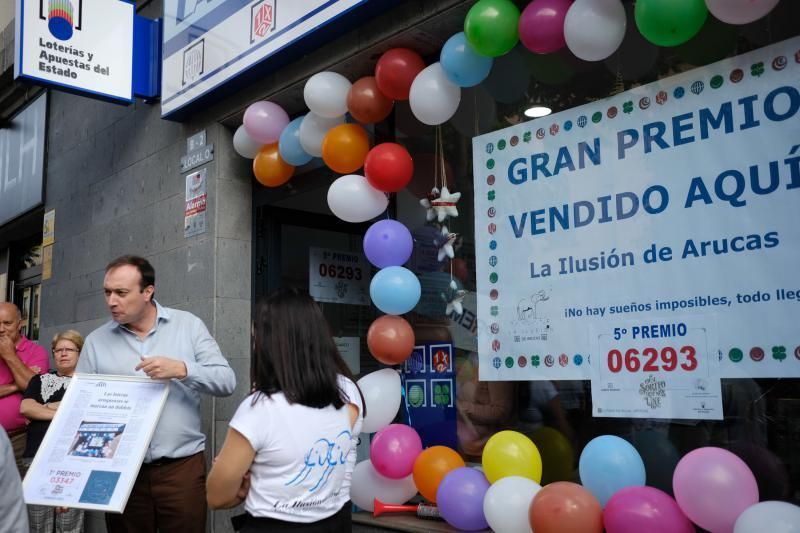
[270, 168]
[345, 148]
[431, 466]
[390, 339]
[565, 507]
[367, 103]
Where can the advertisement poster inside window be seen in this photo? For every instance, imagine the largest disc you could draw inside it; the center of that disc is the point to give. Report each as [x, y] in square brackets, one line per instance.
[673, 202]
[338, 277]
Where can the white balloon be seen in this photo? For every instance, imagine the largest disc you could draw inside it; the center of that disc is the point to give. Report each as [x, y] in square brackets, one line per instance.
[772, 517]
[382, 394]
[245, 145]
[325, 94]
[313, 130]
[433, 97]
[740, 11]
[506, 504]
[594, 29]
[353, 199]
[367, 485]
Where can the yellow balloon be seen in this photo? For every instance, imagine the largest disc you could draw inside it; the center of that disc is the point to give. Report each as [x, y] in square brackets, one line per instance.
[510, 453]
[558, 458]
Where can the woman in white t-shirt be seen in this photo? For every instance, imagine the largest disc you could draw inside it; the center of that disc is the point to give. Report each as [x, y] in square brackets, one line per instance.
[291, 446]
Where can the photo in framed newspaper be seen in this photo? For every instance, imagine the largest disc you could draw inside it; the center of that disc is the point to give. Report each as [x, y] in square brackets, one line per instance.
[95, 445]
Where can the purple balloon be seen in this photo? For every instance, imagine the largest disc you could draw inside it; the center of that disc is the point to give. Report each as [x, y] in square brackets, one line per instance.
[388, 243]
[541, 25]
[460, 499]
[264, 121]
[637, 509]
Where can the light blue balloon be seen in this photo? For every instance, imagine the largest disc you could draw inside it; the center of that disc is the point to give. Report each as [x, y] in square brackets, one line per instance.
[289, 144]
[462, 64]
[395, 290]
[608, 464]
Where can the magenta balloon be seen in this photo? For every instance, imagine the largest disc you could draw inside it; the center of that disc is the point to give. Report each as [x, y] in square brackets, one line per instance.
[460, 499]
[388, 243]
[394, 449]
[638, 509]
[541, 25]
[264, 121]
[713, 487]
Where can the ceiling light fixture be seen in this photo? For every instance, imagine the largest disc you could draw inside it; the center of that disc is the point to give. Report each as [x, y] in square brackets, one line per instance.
[537, 110]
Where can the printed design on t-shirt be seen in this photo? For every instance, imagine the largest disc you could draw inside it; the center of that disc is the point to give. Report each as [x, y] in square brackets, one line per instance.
[322, 459]
[52, 383]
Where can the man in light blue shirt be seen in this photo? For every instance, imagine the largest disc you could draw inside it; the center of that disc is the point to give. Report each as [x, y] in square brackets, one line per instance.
[145, 338]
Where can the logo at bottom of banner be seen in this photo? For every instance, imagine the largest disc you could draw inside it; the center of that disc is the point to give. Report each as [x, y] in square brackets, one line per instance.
[656, 368]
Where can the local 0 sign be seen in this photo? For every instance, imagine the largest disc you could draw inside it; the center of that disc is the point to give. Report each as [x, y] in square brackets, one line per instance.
[85, 46]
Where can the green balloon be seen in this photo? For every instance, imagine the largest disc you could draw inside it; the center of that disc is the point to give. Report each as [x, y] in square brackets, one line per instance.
[491, 27]
[670, 22]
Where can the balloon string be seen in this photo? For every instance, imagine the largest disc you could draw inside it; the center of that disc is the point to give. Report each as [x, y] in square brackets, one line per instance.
[436, 158]
[475, 106]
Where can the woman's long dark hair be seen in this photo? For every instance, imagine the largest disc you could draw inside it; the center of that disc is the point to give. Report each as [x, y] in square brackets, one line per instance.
[294, 352]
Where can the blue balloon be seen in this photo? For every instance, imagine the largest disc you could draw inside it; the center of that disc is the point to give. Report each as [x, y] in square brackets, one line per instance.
[462, 64]
[289, 144]
[395, 290]
[608, 464]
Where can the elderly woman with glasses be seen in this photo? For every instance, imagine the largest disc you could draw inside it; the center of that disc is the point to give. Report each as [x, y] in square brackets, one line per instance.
[39, 405]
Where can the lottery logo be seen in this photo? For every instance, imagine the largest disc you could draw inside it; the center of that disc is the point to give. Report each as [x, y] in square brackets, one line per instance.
[526, 137]
[535, 361]
[441, 361]
[737, 75]
[501, 144]
[494, 294]
[493, 277]
[493, 261]
[549, 361]
[797, 352]
[489, 148]
[612, 111]
[735, 355]
[514, 140]
[678, 92]
[582, 121]
[578, 359]
[567, 125]
[757, 354]
[597, 116]
[490, 164]
[493, 245]
[496, 345]
[540, 133]
[553, 129]
[779, 63]
[522, 361]
[490, 179]
[716, 82]
[644, 103]
[496, 362]
[491, 212]
[495, 328]
[563, 360]
[697, 87]
[509, 362]
[661, 97]
[494, 310]
[492, 228]
[491, 195]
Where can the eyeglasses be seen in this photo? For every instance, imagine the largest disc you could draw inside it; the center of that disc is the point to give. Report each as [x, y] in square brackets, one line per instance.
[68, 350]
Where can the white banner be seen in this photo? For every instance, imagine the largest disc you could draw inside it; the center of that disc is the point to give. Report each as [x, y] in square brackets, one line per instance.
[676, 199]
[94, 447]
[83, 45]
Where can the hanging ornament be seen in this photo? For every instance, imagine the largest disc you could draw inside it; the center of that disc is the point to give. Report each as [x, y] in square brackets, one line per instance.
[454, 301]
[445, 244]
[441, 204]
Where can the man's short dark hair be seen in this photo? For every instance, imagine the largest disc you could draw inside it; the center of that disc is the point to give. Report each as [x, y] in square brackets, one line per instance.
[144, 267]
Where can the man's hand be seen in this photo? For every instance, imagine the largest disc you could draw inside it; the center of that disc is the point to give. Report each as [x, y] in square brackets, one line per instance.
[7, 349]
[160, 367]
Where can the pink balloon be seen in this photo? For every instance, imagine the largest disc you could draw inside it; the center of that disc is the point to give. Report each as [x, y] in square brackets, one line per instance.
[637, 509]
[394, 450]
[264, 121]
[713, 487]
[541, 26]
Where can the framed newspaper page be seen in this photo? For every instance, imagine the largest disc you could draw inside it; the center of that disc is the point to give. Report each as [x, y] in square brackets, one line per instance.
[95, 445]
